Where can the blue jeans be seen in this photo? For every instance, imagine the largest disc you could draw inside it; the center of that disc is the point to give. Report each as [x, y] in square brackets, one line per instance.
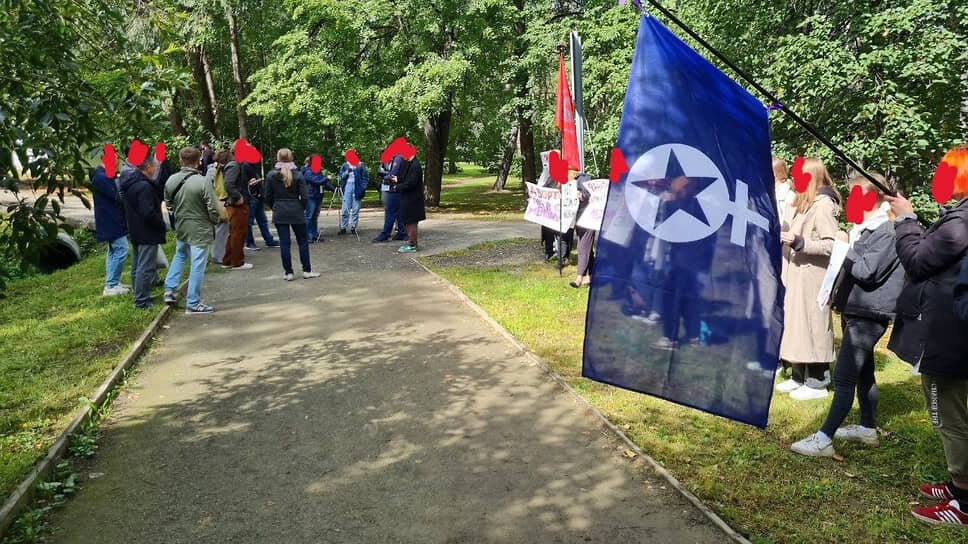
[257, 212]
[312, 218]
[285, 251]
[391, 213]
[196, 273]
[114, 262]
[350, 214]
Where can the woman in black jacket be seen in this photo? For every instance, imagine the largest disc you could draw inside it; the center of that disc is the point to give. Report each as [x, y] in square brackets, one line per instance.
[409, 183]
[928, 335]
[287, 196]
[870, 281]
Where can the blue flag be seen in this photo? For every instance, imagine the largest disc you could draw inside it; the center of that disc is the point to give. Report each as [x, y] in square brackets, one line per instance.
[686, 300]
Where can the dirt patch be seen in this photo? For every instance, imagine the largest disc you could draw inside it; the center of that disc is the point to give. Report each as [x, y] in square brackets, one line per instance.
[518, 252]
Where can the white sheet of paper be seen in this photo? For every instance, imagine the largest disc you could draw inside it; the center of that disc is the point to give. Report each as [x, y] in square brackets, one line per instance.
[837, 256]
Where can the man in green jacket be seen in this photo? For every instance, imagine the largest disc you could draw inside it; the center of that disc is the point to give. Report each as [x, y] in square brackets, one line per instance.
[192, 201]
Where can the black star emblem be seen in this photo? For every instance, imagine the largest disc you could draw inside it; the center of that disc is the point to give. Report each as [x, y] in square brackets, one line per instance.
[685, 198]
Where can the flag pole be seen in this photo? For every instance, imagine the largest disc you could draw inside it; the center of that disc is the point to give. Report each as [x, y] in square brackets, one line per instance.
[775, 101]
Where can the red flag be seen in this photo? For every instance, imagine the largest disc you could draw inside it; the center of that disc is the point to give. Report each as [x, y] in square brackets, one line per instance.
[565, 119]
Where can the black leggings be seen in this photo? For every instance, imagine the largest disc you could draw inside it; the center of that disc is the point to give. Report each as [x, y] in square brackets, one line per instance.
[855, 370]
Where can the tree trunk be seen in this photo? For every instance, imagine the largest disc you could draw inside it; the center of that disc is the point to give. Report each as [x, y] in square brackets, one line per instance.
[505, 170]
[436, 134]
[175, 118]
[207, 113]
[237, 70]
[529, 173]
[964, 106]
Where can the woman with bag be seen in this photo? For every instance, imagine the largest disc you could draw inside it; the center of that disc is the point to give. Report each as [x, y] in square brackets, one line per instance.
[216, 176]
[809, 229]
[870, 281]
[287, 196]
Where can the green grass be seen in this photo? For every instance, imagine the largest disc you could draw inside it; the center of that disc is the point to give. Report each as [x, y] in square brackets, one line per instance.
[469, 192]
[748, 476]
[59, 339]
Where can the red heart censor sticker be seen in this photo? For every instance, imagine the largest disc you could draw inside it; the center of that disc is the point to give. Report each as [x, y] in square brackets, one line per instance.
[137, 153]
[160, 152]
[397, 147]
[352, 158]
[943, 183]
[110, 161]
[859, 202]
[245, 152]
[617, 165]
[557, 168]
[801, 179]
[316, 164]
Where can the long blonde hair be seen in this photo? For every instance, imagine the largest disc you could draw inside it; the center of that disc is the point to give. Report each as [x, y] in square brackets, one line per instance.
[819, 177]
[285, 155]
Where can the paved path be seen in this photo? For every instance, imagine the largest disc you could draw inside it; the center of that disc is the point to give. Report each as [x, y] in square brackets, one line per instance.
[368, 405]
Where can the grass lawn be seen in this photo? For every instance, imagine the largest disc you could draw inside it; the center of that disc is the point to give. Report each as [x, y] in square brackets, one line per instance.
[750, 477]
[59, 339]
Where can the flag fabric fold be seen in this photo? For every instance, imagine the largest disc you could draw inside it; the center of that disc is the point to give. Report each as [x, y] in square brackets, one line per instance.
[565, 119]
[686, 298]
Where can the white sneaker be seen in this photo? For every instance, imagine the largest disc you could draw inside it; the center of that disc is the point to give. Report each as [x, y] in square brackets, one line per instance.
[288, 277]
[114, 291]
[805, 392]
[858, 433]
[307, 275]
[246, 266]
[815, 445]
[664, 343]
[787, 386]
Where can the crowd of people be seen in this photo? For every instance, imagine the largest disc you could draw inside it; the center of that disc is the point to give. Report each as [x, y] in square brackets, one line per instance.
[214, 202]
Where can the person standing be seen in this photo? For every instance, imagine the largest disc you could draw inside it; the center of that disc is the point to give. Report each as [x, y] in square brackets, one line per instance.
[257, 209]
[287, 196]
[216, 176]
[409, 184]
[315, 183]
[928, 334]
[191, 198]
[586, 237]
[869, 284]
[808, 233]
[354, 177]
[110, 227]
[146, 226]
[782, 187]
[391, 201]
[237, 207]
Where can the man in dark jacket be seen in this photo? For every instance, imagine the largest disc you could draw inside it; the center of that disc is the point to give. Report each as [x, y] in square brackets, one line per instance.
[257, 209]
[961, 293]
[315, 184]
[109, 227]
[409, 183]
[237, 207]
[142, 208]
[927, 334]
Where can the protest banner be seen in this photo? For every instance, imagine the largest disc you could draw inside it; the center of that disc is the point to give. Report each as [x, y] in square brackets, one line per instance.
[594, 212]
[549, 207]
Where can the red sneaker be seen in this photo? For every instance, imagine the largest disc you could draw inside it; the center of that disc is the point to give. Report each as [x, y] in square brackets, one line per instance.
[938, 492]
[944, 513]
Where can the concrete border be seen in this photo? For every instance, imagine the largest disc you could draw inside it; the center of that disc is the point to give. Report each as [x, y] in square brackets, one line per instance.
[712, 516]
[25, 492]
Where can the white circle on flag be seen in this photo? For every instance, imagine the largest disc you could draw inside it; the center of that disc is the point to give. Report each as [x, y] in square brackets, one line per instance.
[650, 171]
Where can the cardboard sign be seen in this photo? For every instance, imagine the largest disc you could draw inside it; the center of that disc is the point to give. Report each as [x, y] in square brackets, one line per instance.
[552, 208]
[591, 218]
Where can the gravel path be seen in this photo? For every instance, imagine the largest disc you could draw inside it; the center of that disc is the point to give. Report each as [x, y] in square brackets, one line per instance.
[368, 405]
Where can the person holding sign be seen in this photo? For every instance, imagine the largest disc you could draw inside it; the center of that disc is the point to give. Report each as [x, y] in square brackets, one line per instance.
[586, 237]
[870, 282]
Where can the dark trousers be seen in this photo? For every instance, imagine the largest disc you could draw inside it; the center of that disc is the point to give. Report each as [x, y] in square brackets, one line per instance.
[552, 239]
[855, 371]
[391, 214]
[816, 375]
[679, 301]
[312, 218]
[586, 239]
[411, 229]
[257, 214]
[144, 273]
[238, 227]
[285, 250]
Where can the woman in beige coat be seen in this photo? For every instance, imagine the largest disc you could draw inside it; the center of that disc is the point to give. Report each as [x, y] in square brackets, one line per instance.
[809, 229]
